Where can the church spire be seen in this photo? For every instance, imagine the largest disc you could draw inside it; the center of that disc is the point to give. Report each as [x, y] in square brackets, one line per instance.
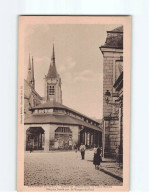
[29, 79]
[32, 75]
[53, 55]
[52, 73]
[53, 90]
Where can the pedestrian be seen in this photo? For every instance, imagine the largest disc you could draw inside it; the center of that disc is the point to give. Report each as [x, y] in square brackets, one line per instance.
[97, 157]
[95, 149]
[82, 150]
[101, 155]
[31, 148]
[75, 148]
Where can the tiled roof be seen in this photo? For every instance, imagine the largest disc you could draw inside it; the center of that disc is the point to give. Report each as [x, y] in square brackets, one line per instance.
[52, 73]
[118, 29]
[57, 119]
[33, 90]
[53, 104]
[114, 39]
[49, 104]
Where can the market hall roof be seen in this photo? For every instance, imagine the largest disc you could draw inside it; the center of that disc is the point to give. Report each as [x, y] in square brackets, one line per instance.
[58, 119]
[114, 38]
[54, 104]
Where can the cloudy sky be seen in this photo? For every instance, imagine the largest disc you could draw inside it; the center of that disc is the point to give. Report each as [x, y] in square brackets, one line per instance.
[78, 60]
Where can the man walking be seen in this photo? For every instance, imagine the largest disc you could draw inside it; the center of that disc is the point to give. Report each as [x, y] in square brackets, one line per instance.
[82, 150]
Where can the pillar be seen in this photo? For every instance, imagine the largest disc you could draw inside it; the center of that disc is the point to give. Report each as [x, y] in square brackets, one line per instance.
[41, 141]
[47, 138]
[85, 138]
[90, 139]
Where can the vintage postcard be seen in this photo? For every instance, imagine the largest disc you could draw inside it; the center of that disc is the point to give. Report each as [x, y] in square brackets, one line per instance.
[73, 103]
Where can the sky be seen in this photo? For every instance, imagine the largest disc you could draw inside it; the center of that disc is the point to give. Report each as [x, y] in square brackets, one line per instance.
[79, 62]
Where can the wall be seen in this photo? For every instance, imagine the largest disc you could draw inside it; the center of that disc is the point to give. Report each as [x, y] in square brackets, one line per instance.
[112, 126]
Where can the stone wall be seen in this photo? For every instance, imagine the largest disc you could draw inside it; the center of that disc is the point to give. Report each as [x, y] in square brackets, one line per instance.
[112, 126]
[112, 137]
[107, 83]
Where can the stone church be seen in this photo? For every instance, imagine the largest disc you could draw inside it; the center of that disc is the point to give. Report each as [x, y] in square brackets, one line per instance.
[50, 125]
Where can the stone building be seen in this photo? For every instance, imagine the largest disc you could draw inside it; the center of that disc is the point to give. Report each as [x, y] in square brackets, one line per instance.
[31, 97]
[112, 52]
[53, 125]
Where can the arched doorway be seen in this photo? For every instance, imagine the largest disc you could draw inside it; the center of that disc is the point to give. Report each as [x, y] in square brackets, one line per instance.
[63, 138]
[34, 138]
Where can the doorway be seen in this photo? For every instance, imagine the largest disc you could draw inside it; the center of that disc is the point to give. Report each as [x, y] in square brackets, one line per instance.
[34, 138]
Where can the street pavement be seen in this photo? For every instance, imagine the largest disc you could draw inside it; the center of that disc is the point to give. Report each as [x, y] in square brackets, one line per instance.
[67, 168]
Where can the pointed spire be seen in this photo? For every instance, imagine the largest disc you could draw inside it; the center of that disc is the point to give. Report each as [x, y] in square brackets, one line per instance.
[29, 64]
[53, 55]
[32, 74]
[52, 73]
[29, 71]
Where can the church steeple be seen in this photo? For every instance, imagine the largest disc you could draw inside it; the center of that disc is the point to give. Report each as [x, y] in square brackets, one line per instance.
[52, 73]
[53, 90]
[32, 71]
[53, 55]
[29, 76]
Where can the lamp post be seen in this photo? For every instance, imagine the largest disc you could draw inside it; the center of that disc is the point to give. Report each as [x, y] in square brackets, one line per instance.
[120, 104]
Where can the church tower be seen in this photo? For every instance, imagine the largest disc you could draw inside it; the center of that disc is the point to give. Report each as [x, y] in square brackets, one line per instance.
[30, 76]
[53, 90]
[29, 71]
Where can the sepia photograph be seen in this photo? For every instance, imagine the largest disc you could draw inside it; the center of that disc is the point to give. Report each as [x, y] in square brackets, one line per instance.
[73, 103]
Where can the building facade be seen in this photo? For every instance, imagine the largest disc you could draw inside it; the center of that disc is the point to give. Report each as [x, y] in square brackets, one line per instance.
[112, 52]
[54, 126]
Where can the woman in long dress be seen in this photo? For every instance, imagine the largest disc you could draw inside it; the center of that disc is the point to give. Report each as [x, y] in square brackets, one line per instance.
[97, 157]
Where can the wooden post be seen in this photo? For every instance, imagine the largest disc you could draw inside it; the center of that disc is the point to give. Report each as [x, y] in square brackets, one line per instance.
[41, 141]
[90, 138]
[94, 137]
[38, 141]
[85, 138]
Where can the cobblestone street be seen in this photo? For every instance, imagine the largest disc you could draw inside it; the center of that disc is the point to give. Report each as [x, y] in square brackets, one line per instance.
[66, 168]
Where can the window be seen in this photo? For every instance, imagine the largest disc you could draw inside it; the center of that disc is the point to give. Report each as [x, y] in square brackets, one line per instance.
[51, 90]
[121, 58]
[118, 68]
[63, 130]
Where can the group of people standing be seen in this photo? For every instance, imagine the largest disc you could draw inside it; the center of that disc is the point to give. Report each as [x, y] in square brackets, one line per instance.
[97, 158]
